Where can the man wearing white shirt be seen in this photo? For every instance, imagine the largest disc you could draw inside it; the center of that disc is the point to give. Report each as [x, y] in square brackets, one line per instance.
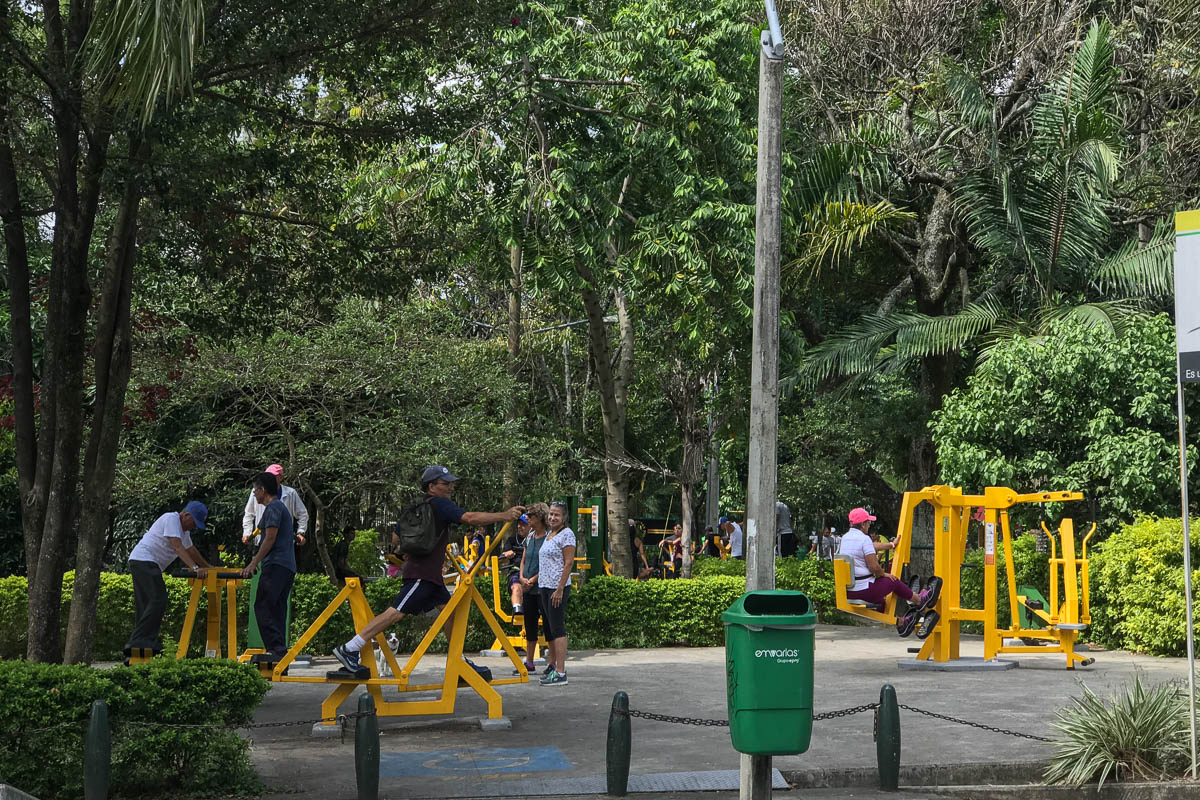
[288, 496]
[736, 539]
[168, 538]
[872, 584]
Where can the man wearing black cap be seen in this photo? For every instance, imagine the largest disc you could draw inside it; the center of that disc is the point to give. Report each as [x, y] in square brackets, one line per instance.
[423, 588]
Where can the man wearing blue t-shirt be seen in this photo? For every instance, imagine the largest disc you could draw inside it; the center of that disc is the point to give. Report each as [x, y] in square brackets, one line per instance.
[423, 588]
[277, 557]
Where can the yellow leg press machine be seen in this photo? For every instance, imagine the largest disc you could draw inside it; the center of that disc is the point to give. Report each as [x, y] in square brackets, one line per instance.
[952, 511]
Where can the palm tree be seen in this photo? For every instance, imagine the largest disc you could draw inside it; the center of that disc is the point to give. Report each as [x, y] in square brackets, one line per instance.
[1036, 215]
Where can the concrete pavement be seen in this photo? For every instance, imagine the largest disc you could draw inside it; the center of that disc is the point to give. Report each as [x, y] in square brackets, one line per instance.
[556, 746]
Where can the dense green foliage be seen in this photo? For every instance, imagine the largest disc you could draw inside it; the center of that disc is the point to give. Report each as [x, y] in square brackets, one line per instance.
[45, 710]
[1076, 410]
[1137, 587]
[359, 251]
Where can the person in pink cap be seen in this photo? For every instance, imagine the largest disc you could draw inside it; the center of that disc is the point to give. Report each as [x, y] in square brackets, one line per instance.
[872, 584]
[289, 497]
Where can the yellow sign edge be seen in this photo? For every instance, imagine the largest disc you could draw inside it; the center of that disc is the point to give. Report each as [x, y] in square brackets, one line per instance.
[1187, 221]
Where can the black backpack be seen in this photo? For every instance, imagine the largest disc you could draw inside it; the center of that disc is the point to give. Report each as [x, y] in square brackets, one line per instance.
[417, 529]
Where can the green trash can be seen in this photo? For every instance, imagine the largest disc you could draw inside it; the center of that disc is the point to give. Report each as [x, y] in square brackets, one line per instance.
[769, 672]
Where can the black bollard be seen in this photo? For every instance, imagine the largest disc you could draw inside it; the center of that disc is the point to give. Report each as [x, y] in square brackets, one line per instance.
[97, 753]
[620, 745]
[887, 739]
[366, 750]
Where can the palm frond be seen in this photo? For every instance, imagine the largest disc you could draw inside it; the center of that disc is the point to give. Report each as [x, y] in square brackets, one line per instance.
[1141, 270]
[835, 230]
[1112, 317]
[973, 105]
[144, 50]
[922, 336]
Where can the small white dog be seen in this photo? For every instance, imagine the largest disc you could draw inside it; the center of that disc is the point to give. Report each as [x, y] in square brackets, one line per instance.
[381, 662]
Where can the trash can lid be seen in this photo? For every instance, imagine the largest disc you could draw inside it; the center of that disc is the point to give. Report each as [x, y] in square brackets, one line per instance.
[773, 608]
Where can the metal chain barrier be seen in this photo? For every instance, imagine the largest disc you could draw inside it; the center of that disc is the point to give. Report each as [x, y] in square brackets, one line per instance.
[845, 712]
[975, 724]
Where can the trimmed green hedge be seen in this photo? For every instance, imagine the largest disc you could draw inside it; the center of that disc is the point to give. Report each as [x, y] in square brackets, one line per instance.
[146, 759]
[811, 576]
[606, 612]
[1136, 579]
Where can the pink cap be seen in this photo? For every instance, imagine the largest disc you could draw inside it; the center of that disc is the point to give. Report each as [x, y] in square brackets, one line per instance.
[860, 515]
[277, 470]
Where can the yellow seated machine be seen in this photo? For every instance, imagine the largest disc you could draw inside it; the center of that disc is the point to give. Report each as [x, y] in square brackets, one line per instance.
[952, 512]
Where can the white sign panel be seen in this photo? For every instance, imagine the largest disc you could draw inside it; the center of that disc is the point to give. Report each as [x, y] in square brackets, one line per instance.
[1187, 294]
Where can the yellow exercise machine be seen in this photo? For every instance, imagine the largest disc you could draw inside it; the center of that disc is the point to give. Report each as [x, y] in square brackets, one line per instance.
[952, 513]
[211, 585]
[456, 612]
[515, 640]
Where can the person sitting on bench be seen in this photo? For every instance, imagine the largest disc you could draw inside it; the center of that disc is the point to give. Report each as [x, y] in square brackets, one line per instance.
[872, 585]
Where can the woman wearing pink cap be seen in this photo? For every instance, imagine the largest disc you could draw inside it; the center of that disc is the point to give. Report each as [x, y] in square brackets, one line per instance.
[872, 584]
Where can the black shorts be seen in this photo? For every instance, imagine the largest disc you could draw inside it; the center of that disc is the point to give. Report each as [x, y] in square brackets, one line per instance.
[514, 577]
[418, 596]
[531, 608]
[555, 616]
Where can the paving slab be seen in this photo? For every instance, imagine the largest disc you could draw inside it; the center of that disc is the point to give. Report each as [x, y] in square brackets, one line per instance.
[456, 758]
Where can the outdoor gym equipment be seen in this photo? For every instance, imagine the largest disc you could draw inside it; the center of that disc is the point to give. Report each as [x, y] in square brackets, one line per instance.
[516, 640]
[456, 612]
[952, 513]
[211, 584]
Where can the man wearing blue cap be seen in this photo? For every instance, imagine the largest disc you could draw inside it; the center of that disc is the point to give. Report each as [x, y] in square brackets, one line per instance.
[168, 538]
[423, 588]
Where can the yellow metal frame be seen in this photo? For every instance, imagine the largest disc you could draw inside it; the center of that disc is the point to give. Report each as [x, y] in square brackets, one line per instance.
[456, 611]
[212, 584]
[516, 640]
[952, 511]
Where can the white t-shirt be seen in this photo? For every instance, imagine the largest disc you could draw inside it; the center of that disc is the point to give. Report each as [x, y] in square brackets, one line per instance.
[550, 559]
[783, 519]
[155, 544]
[735, 540]
[858, 546]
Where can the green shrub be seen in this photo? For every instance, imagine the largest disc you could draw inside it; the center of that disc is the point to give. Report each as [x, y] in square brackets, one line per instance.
[1136, 578]
[643, 614]
[364, 555]
[146, 758]
[1141, 735]
[811, 576]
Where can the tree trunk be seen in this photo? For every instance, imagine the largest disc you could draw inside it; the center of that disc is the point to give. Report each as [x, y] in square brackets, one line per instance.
[20, 332]
[612, 380]
[515, 257]
[317, 531]
[933, 280]
[112, 358]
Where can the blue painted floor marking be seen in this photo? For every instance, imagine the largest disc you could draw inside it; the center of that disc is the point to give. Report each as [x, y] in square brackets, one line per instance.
[472, 761]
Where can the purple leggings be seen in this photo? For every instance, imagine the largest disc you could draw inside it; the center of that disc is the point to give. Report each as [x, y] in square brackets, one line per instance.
[876, 594]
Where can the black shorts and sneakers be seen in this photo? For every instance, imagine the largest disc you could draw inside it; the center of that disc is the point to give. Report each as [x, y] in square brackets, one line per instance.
[418, 596]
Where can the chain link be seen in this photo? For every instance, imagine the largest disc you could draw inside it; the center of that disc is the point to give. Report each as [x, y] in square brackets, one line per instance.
[844, 712]
[975, 724]
[709, 723]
